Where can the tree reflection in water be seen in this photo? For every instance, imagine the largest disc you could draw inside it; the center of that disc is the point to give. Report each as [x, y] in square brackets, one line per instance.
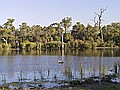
[42, 67]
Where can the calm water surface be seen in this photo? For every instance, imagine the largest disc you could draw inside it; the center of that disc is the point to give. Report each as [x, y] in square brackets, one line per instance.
[43, 65]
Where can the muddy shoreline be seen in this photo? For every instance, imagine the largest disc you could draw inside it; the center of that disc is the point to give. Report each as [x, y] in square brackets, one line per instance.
[89, 85]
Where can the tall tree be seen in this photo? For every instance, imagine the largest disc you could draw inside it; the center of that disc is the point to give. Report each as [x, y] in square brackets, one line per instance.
[35, 32]
[8, 30]
[24, 31]
[99, 22]
[66, 23]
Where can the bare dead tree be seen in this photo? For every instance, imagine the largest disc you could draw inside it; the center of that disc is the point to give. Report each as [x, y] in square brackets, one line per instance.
[95, 22]
[99, 21]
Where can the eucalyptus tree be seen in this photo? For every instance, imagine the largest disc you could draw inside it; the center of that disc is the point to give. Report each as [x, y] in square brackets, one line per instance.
[24, 31]
[50, 32]
[34, 34]
[57, 31]
[44, 35]
[8, 31]
[89, 32]
[66, 24]
[116, 33]
[78, 31]
[111, 34]
[58, 28]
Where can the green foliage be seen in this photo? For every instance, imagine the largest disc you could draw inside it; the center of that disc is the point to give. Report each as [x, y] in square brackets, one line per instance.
[53, 45]
[66, 23]
[79, 44]
[100, 43]
[6, 46]
[88, 45]
[78, 36]
[28, 45]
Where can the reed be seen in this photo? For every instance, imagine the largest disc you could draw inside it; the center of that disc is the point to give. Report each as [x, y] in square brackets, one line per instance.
[103, 70]
[81, 72]
[3, 79]
[68, 73]
[89, 71]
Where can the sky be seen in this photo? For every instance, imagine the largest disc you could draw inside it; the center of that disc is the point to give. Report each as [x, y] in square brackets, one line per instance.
[46, 12]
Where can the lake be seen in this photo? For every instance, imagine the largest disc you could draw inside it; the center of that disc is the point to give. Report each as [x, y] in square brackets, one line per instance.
[44, 65]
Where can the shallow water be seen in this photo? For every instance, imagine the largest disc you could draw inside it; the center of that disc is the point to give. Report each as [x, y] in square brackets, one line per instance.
[44, 66]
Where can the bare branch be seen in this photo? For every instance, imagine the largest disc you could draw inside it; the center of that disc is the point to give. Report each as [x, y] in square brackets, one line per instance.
[96, 13]
[99, 22]
[95, 21]
[101, 11]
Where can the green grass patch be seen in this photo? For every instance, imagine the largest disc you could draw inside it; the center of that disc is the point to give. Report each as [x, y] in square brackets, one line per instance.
[113, 87]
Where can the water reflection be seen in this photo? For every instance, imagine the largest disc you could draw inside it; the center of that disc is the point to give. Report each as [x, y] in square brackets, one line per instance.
[44, 66]
[104, 53]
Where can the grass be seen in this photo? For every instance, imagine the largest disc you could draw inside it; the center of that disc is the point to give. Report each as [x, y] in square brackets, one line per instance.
[113, 87]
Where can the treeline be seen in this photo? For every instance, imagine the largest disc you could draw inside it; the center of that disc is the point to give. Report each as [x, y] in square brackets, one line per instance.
[76, 36]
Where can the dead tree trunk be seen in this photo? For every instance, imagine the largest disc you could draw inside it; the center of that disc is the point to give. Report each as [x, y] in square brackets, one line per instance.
[99, 22]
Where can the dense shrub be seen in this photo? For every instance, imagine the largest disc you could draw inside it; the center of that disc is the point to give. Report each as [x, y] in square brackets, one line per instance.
[52, 45]
[28, 45]
[6, 46]
[79, 44]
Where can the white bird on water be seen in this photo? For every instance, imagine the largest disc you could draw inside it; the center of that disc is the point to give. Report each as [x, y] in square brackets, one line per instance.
[60, 61]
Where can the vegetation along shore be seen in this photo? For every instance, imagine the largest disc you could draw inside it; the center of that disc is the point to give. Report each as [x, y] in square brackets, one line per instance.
[76, 36]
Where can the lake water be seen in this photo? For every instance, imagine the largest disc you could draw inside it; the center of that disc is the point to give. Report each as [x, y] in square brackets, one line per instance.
[44, 65]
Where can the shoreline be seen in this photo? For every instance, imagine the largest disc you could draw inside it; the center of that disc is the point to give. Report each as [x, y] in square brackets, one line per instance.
[85, 86]
[106, 48]
[96, 48]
